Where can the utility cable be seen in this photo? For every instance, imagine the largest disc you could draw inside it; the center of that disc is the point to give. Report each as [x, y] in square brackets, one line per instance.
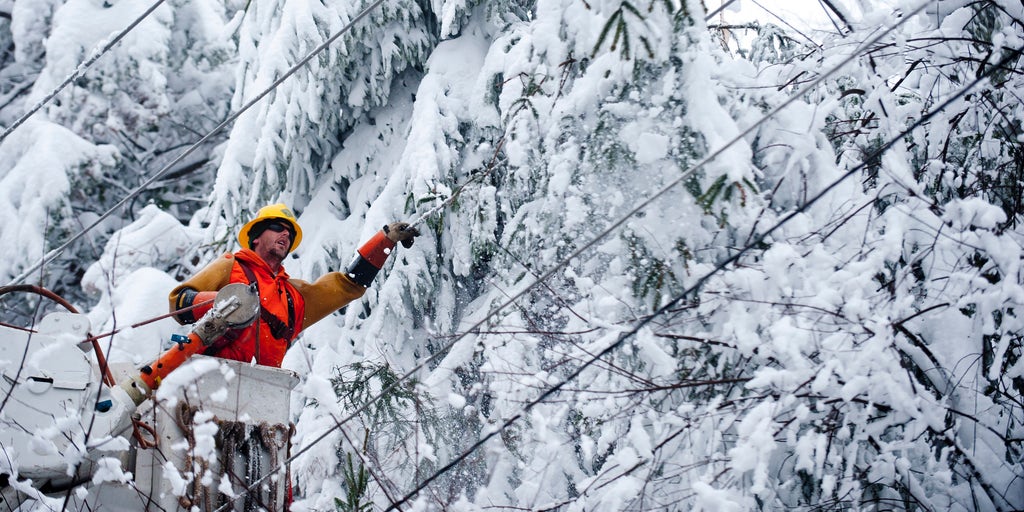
[788, 24]
[612, 227]
[873, 157]
[56, 252]
[720, 9]
[82, 68]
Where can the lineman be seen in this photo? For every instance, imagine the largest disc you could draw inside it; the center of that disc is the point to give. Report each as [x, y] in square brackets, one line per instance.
[287, 306]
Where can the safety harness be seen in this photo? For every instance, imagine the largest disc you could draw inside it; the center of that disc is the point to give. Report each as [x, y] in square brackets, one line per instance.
[278, 328]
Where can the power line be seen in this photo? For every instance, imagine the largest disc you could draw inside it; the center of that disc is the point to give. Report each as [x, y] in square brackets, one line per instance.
[56, 252]
[612, 227]
[788, 24]
[82, 68]
[700, 282]
[85, 66]
[721, 8]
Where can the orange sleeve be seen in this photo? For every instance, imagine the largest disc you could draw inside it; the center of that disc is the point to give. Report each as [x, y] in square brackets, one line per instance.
[326, 295]
[369, 259]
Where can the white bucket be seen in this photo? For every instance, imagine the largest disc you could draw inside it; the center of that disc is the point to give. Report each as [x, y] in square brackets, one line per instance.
[223, 436]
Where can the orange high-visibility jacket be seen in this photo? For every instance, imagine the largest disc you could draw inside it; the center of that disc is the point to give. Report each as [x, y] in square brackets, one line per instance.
[311, 302]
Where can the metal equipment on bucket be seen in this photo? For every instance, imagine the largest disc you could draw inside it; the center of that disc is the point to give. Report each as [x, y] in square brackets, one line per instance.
[219, 429]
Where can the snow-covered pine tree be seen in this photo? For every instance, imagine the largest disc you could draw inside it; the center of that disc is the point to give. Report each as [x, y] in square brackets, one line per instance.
[865, 355]
[588, 133]
[283, 147]
[880, 385]
[121, 121]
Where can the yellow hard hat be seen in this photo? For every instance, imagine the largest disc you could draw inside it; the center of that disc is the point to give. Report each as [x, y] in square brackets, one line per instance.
[274, 211]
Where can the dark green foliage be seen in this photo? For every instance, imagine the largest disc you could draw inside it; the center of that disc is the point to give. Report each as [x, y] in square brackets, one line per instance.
[653, 276]
[358, 387]
[356, 479]
[387, 407]
[617, 26]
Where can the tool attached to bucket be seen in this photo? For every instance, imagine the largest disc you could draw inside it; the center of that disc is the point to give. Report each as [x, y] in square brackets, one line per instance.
[236, 306]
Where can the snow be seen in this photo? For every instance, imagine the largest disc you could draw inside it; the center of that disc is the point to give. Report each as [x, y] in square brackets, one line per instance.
[108, 469]
[757, 444]
[204, 430]
[818, 368]
[973, 212]
[173, 385]
[134, 299]
[33, 180]
[320, 389]
[85, 26]
[709, 498]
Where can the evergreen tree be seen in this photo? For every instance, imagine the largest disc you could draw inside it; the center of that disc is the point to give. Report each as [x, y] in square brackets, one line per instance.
[865, 354]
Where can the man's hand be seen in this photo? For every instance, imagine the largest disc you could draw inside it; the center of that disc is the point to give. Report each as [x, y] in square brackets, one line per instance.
[401, 232]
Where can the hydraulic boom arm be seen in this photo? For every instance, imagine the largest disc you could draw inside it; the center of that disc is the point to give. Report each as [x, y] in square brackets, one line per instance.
[235, 306]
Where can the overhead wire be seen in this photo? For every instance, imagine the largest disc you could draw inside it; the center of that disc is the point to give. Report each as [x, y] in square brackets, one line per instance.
[718, 268]
[170, 165]
[79, 70]
[614, 226]
[788, 24]
[291, 71]
[600, 236]
[720, 8]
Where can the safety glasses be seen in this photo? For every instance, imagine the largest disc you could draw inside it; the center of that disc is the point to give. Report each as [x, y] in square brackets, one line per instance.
[278, 227]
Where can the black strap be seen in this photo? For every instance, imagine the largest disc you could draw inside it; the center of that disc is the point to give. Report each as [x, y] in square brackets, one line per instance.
[278, 328]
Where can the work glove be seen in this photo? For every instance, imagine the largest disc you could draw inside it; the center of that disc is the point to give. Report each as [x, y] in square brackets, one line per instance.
[401, 232]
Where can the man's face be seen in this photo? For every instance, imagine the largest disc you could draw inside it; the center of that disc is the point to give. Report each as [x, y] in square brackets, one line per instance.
[275, 241]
